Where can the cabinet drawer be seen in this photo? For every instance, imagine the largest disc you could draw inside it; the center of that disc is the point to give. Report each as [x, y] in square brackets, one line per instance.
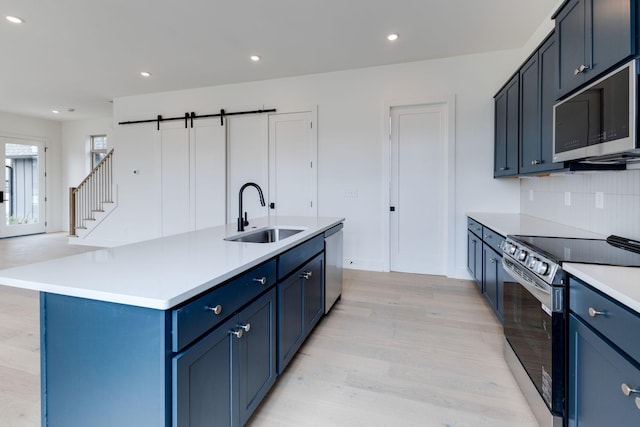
[474, 226]
[197, 317]
[294, 258]
[492, 239]
[615, 321]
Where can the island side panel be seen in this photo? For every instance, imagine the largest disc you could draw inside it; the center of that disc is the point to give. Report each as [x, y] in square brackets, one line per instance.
[103, 364]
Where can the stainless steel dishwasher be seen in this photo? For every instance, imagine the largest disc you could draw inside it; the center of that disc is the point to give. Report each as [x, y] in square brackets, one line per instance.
[333, 266]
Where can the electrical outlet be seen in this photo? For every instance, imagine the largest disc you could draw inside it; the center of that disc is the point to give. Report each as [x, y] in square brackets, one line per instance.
[599, 200]
[351, 194]
[567, 198]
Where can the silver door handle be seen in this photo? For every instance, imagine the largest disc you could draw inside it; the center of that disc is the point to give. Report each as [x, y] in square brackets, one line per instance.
[306, 274]
[261, 280]
[580, 69]
[246, 327]
[216, 310]
[627, 391]
[237, 333]
[593, 312]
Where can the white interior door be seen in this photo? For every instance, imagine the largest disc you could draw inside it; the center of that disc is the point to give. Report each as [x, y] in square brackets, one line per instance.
[293, 179]
[417, 189]
[23, 195]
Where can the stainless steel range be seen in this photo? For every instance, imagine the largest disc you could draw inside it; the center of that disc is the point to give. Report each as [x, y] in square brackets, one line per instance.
[535, 315]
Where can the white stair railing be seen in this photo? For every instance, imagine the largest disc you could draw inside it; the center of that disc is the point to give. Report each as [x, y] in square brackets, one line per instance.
[90, 196]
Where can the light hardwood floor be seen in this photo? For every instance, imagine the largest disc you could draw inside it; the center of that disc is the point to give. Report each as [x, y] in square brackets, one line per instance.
[396, 350]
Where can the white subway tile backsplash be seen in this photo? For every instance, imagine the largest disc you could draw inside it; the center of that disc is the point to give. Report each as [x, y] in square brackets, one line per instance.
[620, 212]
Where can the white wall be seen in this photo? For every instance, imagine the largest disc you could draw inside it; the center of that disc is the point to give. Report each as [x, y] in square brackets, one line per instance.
[620, 212]
[76, 160]
[50, 132]
[351, 144]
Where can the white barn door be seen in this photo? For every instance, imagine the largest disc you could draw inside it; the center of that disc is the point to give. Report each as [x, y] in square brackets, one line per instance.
[193, 175]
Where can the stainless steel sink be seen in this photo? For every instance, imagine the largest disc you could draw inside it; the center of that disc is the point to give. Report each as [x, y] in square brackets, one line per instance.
[265, 235]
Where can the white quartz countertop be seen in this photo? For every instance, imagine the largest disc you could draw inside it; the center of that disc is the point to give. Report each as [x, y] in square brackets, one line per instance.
[161, 273]
[620, 283]
[526, 225]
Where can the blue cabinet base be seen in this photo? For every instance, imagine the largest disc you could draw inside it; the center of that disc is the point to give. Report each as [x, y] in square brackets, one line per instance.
[103, 364]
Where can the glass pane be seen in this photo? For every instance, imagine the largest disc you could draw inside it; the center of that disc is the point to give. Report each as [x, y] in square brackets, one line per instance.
[97, 157]
[99, 142]
[21, 184]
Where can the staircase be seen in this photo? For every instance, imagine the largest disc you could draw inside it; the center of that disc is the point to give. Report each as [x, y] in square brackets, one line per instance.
[92, 200]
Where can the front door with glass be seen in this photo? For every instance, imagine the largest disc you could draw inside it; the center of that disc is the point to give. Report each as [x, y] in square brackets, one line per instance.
[22, 195]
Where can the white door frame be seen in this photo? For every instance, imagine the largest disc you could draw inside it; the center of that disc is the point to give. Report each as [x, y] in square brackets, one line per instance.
[43, 187]
[449, 171]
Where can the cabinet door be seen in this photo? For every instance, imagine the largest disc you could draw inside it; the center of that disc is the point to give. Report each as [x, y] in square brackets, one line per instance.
[203, 380]
[537, 97]
[547, 59]
[507, 129]
[313, 274]
[530, 150]
[290, 319]
[502, 276]
[570, 35]
[474, 258]
[491, 259]
[256, 353]
[596, 374]
[612, 39]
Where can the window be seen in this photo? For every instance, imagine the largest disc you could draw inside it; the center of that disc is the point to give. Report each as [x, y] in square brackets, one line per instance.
[98, 149]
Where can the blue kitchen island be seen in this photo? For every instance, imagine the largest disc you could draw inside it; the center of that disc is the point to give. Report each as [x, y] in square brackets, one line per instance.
[186, 330]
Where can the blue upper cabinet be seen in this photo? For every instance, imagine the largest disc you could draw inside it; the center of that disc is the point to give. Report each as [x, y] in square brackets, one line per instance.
[537, 96]
[593, 36]
[507, 106]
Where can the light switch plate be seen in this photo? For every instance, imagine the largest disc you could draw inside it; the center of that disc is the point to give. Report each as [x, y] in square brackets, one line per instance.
[567, 198]
[531, 195]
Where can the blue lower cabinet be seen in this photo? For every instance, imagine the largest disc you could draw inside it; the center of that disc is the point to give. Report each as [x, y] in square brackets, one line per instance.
[290, 318]
[313, 292]
[203, 378]
[493, 279]
[220, 380]
[597, 373]
[300, 307]
[257, 353]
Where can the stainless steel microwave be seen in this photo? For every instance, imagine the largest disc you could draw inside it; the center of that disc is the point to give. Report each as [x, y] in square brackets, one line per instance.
[598, 123]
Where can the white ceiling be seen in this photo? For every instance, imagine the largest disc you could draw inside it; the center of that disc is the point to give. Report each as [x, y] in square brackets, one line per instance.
[81, 54]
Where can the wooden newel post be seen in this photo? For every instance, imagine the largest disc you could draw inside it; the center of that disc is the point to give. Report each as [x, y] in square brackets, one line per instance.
[72, 211]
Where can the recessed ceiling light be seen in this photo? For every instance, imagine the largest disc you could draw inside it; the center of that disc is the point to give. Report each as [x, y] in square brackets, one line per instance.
[55, 111]
[392, 37]
[14, 19]
[145, 74]
[255, 58]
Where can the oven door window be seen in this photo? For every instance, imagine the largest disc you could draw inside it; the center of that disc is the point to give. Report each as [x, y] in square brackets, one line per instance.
[527, 328]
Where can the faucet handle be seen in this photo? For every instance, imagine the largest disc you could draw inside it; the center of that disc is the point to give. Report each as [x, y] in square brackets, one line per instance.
[245, 222]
